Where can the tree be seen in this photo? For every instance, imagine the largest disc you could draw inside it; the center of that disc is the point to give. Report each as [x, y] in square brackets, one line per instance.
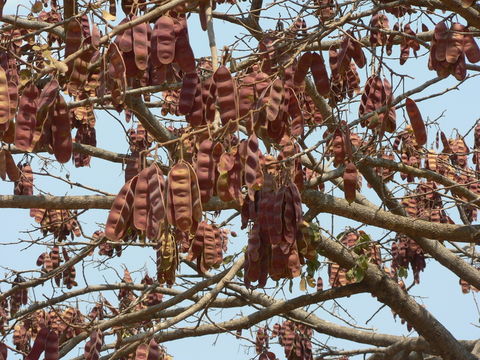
[257, 135]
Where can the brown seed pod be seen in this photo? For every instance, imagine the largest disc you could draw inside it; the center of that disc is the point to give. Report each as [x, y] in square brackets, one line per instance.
[184, 56]
[38, 345]
[141, 352]
[141, 45]
[51, 346]
[246, 95]
[196, 117]
[350, 180]
[47, 97]
[4, 98]
[416, 121]
[252, 164]
[179, 197]
[320, 76]
[205, 169]
[153, 350]
[26, 121]
[275, 100]
[472, 52]
[163, 40]
[196, 198]
[61, 127]
[187, 93]
[226, 94]
[121, 211]
[304, 64]
[141, 203]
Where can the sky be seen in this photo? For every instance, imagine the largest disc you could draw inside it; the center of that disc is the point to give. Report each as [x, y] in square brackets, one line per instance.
[438, 291]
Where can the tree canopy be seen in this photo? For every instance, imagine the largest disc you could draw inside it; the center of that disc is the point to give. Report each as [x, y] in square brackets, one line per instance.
[238, 168]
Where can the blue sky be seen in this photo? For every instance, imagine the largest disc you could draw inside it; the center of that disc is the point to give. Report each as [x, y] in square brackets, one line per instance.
[439, 290]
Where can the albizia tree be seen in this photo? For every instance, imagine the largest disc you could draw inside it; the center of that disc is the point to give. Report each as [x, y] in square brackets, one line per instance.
[308, 110]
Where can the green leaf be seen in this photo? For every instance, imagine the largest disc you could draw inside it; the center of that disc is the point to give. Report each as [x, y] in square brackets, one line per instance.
[402, 272]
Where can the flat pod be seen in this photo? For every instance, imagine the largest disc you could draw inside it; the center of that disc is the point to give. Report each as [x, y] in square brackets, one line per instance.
[153, 350]
[156, 215]
[320, 76]
[121, 211]
[38, 345]
[3, 165]
[73, 35]
[246, 95]
[141, 45]
[26, 118]
[252, 164]
[187, 93]
[13, 172]
[472, 51]
[46, 99]
[179, 183]
[275, 99]
[4, 98]
[226, 94]
[350, 180]
[205, 168]
[61, 127]
[304, 64]
[163, 36]
[417, 123]
[141, 352]
[141, 203]
[196, 198]
[184, 56]
[196, 117]
[125, 39]
[51, 347]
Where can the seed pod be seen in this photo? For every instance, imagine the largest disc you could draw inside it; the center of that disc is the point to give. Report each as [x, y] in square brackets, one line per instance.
[124, 39]
[61, 127]
[455, 43]
[4, 98]
[187, 93]
[141, 45]
[25, 124]
[350, 180]
[141, 203]
[180, 195]
[163, 36]
[13, 172]
[196, 199]
[416, 120]
[38, 345]
[183, 51]
[252, 164]
[246, 95]
[153, 350]
[226, 94]
[46, 99]
[320, 76]
[295, 112]
[3, 165]
[209, 249]
[121, 211]
[73, 35]
[304, 64]
[141, 352]
[13, 99]
[51, 346]
[472, 52]
[275, 100]
[196, 116]
[205, 168]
